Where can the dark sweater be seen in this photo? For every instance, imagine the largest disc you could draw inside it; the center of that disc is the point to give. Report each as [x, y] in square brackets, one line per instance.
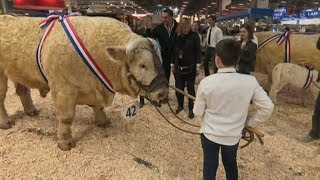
[318, 43]
[247, 58]
[165, 40]
[187, 51]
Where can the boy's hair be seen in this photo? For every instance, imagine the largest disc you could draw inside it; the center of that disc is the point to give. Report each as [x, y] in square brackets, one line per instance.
[229, 51]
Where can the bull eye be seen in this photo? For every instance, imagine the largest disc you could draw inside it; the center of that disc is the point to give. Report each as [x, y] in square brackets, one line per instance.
[143, 66]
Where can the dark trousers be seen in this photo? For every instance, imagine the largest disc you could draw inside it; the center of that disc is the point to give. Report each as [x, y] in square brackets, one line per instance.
[211, 159]
[181, 82]
[209, 55]
[166, 67]
[315, 129]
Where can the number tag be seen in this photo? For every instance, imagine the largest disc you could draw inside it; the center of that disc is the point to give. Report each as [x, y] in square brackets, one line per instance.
[130, 111]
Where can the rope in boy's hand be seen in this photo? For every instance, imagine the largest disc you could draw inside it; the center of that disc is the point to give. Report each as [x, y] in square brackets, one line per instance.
[247, 133]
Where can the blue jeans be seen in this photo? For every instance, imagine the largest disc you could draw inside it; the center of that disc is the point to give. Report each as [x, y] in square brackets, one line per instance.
[211, 159]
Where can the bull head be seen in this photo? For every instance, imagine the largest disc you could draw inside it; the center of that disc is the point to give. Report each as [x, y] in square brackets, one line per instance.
[143, 62]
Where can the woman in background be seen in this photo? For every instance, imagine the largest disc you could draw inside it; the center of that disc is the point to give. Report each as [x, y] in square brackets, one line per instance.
[248, 50]
[186, 62]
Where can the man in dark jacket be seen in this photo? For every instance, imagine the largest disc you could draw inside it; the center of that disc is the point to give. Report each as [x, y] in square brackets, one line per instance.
[165, 34]
[314, 133]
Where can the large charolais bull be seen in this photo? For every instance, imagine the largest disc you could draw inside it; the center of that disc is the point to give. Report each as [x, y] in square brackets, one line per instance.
[122, 62]
[301, 49]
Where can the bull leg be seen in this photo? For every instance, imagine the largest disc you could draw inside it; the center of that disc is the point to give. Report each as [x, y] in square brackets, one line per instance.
[4, 119]
[25, 97]
[100, 117]
[275, 88]
[65, 103]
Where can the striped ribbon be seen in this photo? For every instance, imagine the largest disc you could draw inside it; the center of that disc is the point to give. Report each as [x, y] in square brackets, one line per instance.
[265, 42]
[78, 45]
[309, 80]
[286, 36]
[50, 24]
[281, 38]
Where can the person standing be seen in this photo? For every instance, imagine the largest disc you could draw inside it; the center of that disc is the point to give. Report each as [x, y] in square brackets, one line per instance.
[222, 102]
[186, 62]
[214, 35]
[248, 50]
[314, 133]
[195, 27]
[165, 34]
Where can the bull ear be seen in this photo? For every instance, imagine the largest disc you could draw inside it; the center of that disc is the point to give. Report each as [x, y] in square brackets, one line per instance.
[117, 53]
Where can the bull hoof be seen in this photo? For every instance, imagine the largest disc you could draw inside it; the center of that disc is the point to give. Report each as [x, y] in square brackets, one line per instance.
[66, 145]
[103, 124]
[6, 125]
[33, 113]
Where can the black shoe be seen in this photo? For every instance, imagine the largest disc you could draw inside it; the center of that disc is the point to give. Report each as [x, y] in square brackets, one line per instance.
[164, 101]
[191, 115]
[141, 104]
[179, 109]
[308, 139]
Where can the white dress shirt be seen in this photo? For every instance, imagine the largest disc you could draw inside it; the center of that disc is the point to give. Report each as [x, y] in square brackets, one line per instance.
[223, 101]
[216, 36]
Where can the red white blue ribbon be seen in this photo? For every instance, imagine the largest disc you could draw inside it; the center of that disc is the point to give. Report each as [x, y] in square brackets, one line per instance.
[286, 36]
[309, 80]
[39, 48]
[265, 42]
[281, 38]
[79, 47]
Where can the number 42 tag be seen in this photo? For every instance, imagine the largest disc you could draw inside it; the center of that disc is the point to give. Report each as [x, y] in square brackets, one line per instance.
[130, 111]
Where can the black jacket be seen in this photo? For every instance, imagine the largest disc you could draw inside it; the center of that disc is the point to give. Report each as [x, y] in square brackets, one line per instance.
[165, 40]
[187, 51]
[145, 32]
[247, 58]
[318, 43]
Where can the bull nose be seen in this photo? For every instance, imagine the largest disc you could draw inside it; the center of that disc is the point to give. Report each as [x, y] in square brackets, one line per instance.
[163, 95]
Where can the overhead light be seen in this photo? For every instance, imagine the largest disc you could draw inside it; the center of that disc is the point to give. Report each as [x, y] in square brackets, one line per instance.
[185, 2]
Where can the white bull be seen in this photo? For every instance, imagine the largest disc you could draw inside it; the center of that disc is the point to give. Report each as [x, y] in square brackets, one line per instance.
[128, 60]
[303, 51]
[294, 75]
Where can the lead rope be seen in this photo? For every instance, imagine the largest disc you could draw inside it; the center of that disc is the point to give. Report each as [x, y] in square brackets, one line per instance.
[247, 133]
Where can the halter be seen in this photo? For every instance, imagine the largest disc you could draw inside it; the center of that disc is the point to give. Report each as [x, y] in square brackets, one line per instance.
[157, 82]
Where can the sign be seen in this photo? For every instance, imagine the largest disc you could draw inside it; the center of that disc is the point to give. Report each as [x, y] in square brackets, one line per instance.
[279, 13]
[40, 4]
[130, 112]
[310, 14]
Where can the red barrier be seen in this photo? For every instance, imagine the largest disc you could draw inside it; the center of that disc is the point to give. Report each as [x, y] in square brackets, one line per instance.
[40, 4]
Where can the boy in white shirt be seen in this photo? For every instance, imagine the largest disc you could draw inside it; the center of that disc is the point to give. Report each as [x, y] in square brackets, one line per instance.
[223, 101]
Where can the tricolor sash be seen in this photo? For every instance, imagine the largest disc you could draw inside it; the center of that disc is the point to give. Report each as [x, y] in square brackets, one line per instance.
[78, 45]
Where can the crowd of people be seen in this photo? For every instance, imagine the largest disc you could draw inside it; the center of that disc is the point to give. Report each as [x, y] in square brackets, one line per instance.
[223, 96]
